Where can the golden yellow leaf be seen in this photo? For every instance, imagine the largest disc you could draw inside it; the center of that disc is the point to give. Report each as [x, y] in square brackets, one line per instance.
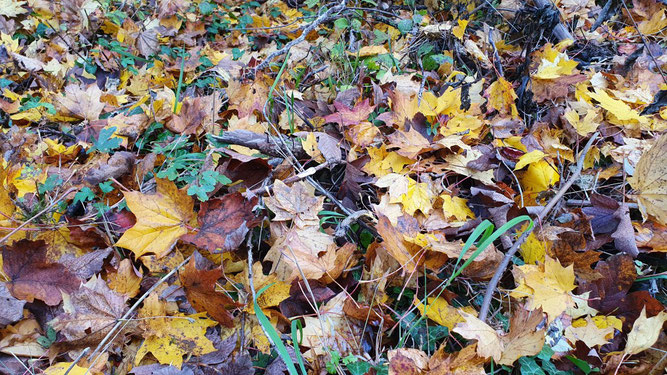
[657, 22]
[533, 250]
[586, 125]
[501, 97]
[529, 158]
[645, 332]
[439, 311]
[548, 286]
[169, 338]
[650, 180]
[162, 218]
[383, 162]
[489, 344]
[61, 368]
[457, 207]
[586, 331]
[621, 112]
[126, 280]
[554, 64]
[460, 29]
[539, 177]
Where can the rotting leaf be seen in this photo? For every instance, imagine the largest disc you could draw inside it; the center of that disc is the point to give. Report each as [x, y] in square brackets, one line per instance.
[224, 223]
[33, 276]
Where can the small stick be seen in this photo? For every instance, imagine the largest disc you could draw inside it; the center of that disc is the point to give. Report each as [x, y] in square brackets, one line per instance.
[488, 295]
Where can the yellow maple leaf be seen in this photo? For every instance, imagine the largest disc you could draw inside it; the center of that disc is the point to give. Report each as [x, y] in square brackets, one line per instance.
[501, 97]
[489, 343]
[61, 368]
[383, 162]
[554, 63]
[162, 218]
[586, 125]
[532, 250]
[457, 207]
[411, 194]
[169, 338]
[529, 158]
[586, 331]
[547, 286]
[441, 312]
[538, 177]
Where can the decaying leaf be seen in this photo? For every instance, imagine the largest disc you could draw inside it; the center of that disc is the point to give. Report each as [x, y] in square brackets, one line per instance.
[32, 276]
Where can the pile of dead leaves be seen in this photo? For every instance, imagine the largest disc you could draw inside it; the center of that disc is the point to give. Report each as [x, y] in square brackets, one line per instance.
[162, 162]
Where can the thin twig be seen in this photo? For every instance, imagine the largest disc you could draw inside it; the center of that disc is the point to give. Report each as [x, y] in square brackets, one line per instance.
[488, 295]
[40, 213]
[76, 360]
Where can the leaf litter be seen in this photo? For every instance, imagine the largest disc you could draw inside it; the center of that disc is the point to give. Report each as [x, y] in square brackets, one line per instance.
[214, 186]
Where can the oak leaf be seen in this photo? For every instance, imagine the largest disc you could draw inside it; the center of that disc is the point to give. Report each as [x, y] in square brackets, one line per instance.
[162, 218]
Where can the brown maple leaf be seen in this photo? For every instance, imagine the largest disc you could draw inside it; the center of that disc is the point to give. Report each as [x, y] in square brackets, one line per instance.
[33, 276]
[90, 313]
[200, 290]
[224, 223]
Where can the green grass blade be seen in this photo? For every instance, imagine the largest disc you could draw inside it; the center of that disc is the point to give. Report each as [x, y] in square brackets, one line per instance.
[273, 335]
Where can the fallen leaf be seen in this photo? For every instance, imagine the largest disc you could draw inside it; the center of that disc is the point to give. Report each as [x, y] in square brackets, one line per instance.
[590, 334]
[644, 332]
[162, 218]
[297, 203]
[224, 223]
[90, 312]
[169, 338]
[199, 287]
[11, 309]
[650, 180]
[548, 286]
[32, 276]
[489, 343]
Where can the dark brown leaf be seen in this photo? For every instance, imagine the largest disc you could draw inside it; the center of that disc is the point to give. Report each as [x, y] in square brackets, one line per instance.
[224, 222]
[32, 276]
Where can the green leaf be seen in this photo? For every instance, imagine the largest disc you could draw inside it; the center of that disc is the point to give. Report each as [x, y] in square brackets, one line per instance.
[358, 367]
[341, 23]
[106, 187]
[404, 26]
[84, 195]
[105, 143]
[582, 365]
[530, 367]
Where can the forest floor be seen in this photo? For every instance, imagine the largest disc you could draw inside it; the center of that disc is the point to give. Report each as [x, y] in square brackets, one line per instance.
[346, 187]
